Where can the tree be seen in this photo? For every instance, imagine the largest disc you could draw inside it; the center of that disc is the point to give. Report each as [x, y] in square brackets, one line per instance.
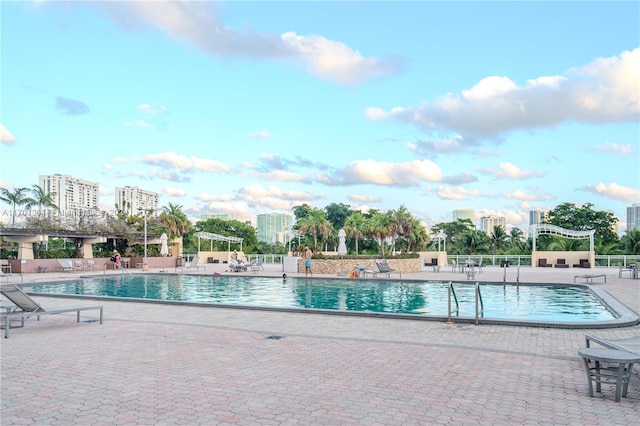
[16, 198]
[474, 242]
[499, 239]
[453, 230]
[355, 226]
[337, 214]
[630, 242]
[315, 223]
[231, 228]
[41, 199]
[402, 224]
[381, 227]
[302, 211]
[584, 218]
[175, 220]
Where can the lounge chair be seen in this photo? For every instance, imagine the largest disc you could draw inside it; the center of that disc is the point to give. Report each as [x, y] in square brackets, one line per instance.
[78, 266]
[561, 263]
[91, 264]
[66, 265]
[236, 266]
[27, 307]
[384, 268]
[5, 266]
[630, 344]
[542, 263]
[434, 264]
[192, 265]
[6, 277]
[257, 266]
[584, 263]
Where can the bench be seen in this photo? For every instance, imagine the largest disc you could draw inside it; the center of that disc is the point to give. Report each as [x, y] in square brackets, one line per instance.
[589, 277]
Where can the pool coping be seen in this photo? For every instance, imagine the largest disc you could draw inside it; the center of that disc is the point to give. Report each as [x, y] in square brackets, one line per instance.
[625, 316]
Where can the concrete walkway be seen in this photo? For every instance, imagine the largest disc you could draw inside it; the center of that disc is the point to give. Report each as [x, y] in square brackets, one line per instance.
[168, 365]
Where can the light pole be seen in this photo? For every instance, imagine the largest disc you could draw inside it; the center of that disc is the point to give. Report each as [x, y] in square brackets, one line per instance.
[144, 260]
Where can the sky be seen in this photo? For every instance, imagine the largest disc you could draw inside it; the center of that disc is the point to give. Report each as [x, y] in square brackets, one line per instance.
[247, 108]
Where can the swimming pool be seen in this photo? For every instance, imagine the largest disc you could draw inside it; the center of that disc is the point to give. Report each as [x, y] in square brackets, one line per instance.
[550, 305]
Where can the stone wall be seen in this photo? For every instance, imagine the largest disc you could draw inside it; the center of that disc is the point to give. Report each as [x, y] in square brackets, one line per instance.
[332, 266]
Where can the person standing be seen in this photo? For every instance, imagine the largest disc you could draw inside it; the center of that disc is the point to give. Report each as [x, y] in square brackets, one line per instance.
[307, 261]
[116, 259]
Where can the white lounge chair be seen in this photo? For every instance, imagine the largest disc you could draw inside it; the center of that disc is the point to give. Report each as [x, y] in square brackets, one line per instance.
[66, 265]
[26, 307]
[192, 265]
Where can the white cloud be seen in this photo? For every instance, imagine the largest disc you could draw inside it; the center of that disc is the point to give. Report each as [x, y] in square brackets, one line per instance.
[107, 166]
[152, 110]
[534, 195]
[173, 192]
[198, 23]
[615, 148]
[384, 173]
[262, 134]
[139, 124]
[181, 163]
[279, 175]
[510, 171]
[210, 197]
[5, 136]
[614, 191]
[603, 91]
[456, 193]
[357, 198]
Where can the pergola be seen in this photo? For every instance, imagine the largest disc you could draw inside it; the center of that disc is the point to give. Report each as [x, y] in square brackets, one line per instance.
[217, 237]
[545, 228]
[441, 236]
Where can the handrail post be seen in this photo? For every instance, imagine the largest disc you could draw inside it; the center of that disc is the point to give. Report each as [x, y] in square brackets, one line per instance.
[477, 291]
[449, 302]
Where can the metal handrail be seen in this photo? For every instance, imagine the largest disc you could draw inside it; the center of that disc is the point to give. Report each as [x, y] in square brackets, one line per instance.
[450, 292]
[481, 304]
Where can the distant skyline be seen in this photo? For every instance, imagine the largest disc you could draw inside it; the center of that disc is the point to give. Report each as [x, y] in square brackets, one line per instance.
[247, 108]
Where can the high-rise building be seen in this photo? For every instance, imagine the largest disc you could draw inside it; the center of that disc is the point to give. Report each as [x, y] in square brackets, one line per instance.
[71, 195]
[463, 214]
[487, 223]
[535, 217]
[133, 199]
[633, 217]
[271, 227]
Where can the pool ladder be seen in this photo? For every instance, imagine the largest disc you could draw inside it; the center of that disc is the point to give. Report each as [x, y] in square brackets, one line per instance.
[504, 275]
[451, 294]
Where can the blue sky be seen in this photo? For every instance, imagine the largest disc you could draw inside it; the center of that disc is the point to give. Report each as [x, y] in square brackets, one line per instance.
[255, 107]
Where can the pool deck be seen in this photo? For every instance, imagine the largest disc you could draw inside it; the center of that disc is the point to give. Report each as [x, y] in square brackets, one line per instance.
[151, 364]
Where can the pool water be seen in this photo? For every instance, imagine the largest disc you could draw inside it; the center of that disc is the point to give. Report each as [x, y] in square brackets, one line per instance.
[548, 303]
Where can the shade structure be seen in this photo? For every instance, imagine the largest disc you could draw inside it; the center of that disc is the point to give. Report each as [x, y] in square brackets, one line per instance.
[164, 249]
[342, 248]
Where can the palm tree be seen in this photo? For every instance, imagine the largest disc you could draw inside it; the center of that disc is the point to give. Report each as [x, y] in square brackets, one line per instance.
[380, 227]
[474, 242]
[16, 198]
[499, 239]
[41, 199]
[175, 220]
[630, 242]
[402, 223]
[355, 227]
[316, 223]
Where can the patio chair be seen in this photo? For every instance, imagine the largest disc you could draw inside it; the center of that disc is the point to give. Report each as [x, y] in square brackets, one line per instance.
[542, 263]
[384, 268]
[91, 265]
[27, 307]
[66, 265]
[561, 263]
[257, 266]
[630, 344]
[5, 266]
[192, 265]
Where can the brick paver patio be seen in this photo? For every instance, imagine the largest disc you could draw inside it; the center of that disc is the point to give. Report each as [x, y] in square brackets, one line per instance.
[154, 364]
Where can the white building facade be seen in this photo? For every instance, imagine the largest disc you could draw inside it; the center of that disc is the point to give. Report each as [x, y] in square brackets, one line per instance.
[487, 223]
[133, 199]
[70, 194]
[633, 217]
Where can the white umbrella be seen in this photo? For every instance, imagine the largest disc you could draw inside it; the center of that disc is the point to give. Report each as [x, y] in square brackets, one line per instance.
[164, 249]
[342, 248]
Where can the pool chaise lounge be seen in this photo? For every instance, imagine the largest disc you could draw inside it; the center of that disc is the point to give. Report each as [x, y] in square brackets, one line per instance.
[630, 344]
[26, 307]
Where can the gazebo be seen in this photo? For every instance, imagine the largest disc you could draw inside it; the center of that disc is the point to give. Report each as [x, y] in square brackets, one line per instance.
[570, 257]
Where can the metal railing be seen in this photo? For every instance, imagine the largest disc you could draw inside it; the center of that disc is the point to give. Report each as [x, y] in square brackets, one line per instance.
[451, 296]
